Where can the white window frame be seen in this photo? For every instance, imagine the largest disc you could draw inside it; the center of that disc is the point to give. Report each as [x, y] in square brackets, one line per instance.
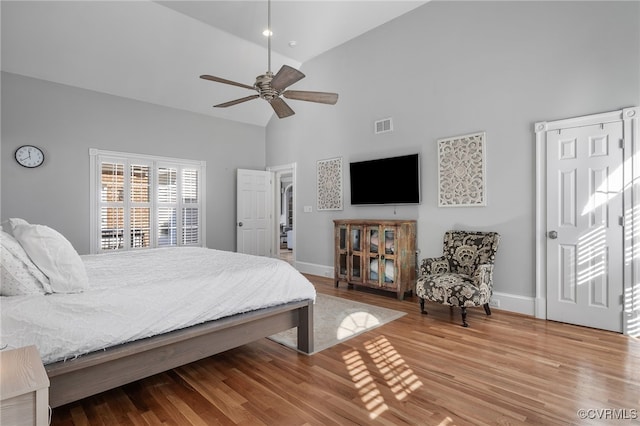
[97, 156]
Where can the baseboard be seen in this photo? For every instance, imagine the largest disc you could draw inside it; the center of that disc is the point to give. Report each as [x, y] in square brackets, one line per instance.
[513, 303]
[503, 301]
[314, 269]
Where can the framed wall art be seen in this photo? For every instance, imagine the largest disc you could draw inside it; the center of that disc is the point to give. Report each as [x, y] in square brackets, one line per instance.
[461, 171]
[329, 184]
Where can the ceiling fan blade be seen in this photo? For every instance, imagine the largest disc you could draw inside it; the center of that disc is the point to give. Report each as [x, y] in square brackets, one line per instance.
[286, 77]
[320, 97]
[225, 81]
[281, 108]
[237, 101]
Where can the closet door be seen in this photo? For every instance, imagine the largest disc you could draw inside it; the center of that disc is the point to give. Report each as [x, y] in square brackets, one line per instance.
[584, 216]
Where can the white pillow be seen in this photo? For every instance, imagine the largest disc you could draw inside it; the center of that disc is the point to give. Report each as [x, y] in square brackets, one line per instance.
[9, 225]
[55, 256]
[18, 274]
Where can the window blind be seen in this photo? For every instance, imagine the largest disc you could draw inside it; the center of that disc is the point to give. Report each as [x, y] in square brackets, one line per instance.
[145, 201]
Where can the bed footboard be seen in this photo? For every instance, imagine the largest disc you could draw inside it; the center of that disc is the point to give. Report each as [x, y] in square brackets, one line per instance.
[99, 371]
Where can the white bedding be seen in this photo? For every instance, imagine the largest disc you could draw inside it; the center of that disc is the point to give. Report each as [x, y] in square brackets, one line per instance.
[139, 294]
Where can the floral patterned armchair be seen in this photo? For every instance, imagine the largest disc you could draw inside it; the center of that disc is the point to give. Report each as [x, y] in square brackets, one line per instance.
[464, 275]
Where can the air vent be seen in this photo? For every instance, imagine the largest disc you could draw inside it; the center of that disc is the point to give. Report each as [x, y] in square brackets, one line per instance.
[383, 126]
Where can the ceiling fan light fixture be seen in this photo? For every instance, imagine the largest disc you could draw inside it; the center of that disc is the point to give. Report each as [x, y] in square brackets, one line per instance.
[272, 88]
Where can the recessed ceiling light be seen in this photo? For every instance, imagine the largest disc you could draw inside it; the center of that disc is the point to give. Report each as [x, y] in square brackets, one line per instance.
[267, 33]
[293, 43]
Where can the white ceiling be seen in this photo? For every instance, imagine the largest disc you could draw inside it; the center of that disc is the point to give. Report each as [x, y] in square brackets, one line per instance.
[155, 51]
[315, 26]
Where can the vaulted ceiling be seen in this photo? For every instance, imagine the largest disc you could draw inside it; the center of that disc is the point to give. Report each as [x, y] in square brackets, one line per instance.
[155, 51]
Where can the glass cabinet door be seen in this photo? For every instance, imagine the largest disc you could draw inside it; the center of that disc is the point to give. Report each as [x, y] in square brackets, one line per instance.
[388, 270]
[343, 264]
[356, 238]
[374, 240]
[388, 274]
[342, 238]
[374, 248]
[389, 241]
[356, 253]
[356, 268]
[342, 251]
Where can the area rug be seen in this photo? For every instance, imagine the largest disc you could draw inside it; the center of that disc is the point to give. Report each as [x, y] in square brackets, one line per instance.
[336, 320]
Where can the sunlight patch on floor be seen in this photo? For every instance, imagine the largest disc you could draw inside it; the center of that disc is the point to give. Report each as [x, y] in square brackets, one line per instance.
[355, 323]
[367, 388]
[400, 378]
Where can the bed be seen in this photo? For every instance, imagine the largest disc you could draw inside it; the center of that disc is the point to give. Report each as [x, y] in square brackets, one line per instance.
[147, 311]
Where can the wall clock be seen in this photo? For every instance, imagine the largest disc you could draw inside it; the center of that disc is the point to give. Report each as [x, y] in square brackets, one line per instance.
[29, 156]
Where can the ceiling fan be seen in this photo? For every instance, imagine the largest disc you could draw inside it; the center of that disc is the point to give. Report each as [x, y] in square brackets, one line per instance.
[271, 87]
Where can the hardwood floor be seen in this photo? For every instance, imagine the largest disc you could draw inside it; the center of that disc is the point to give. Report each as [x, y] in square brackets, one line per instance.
[506, 369]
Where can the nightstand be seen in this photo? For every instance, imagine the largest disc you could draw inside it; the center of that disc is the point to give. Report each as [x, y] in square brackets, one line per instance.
[24, 388]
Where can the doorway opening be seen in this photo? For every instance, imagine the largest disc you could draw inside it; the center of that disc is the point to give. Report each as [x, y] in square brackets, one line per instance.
[284, 202]
[286, 247]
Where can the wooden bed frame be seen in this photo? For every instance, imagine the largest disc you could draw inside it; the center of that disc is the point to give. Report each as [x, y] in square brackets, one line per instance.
[96, 372]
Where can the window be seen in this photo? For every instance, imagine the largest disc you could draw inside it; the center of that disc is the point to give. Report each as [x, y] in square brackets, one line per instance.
[141, 201]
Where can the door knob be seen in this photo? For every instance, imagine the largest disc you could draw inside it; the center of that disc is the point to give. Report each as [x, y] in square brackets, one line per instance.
[553, 235]
[240, 224]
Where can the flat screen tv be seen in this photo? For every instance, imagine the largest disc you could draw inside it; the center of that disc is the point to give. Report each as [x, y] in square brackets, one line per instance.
[393, 180]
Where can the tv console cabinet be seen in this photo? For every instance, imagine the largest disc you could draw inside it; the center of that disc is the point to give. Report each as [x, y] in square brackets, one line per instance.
[379, 254]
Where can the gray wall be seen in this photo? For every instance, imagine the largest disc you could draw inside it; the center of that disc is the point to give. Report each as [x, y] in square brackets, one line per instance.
[455, 68]
[65, 122]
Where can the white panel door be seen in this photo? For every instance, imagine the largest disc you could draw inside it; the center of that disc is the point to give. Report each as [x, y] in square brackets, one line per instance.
[254, 205]
[585, 236]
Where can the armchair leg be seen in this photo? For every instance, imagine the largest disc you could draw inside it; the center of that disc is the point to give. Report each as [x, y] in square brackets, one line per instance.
[486, 309]
[464, 316]
[422, 311]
